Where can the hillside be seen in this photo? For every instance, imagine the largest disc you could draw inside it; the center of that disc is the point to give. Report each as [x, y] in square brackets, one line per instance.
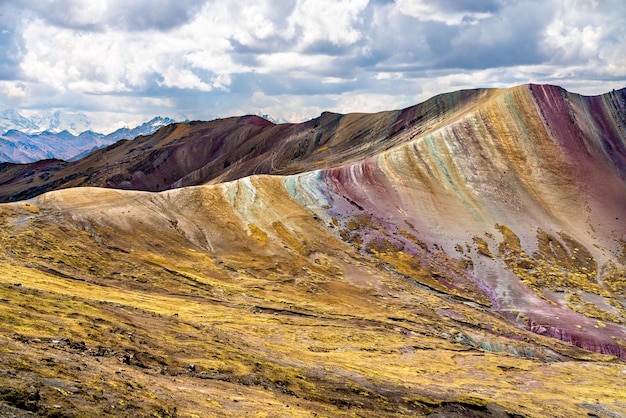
[463, 257]
[195, 153]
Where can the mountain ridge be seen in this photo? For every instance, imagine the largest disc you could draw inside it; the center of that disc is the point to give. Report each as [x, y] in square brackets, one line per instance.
[251, 151]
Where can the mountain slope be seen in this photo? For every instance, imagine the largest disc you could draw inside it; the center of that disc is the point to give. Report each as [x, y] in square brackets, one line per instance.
[196, 153]
[469, 265]
[543, 205]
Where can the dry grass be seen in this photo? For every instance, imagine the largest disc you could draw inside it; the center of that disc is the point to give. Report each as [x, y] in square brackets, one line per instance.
[281, 319]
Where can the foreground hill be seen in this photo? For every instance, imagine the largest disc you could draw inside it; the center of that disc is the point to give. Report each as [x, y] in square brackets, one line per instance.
[471, 263]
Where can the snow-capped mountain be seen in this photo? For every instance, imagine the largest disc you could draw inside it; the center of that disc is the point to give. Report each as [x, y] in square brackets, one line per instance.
[145, 128]
[26, 142]
[51, 121]
[271, 118]
[58, 121]
[11, 119]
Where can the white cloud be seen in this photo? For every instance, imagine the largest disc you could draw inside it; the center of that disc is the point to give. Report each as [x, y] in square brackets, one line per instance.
[15, 91]
[354, 102]
[135, 15]
[285, 107]
[295, 63]
[78, 13]
[429, 10]
[293, 59]
[65, 59]
[254, 20]
[588, 37]
[182, 78]
[389, 76]
[337, 80]
[326, 20]
[116, 61]
[572, 42]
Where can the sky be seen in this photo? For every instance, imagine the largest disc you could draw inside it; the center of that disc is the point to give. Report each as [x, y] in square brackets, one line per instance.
[124, 61]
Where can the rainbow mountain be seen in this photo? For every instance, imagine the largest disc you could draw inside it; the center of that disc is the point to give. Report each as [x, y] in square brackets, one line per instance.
[465, 256]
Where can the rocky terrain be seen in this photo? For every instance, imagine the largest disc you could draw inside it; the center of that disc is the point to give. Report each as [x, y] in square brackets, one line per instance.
[462, 257]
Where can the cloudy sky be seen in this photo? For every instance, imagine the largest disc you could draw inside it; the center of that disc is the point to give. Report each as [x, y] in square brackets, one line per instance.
[122, 61]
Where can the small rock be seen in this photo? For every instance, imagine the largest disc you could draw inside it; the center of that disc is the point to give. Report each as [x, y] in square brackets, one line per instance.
[126, 358]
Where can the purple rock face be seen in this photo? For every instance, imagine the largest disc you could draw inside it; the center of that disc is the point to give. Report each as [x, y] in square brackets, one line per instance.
[524, 161]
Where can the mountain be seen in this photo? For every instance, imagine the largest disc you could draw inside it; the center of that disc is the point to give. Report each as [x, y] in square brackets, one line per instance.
[231, 148]
[10, 119]
[462, 257]
[51, 121]
[19, 147]
[59, 121]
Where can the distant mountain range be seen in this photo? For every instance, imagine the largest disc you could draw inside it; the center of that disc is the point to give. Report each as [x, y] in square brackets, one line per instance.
[56, 121]
[59, 135]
